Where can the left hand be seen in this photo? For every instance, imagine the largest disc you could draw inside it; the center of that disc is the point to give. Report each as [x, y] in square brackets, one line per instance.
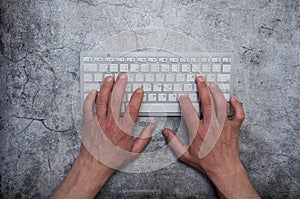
[107, 141]
[107, 136]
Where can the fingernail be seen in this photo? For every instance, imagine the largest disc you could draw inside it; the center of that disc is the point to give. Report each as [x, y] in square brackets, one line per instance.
[108, 79]
[201, 78]
[166, 133]
[213, 85]
[122, 75]
[139, 90]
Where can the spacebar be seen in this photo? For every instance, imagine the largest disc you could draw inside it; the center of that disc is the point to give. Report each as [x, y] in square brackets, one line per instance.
[160, 107]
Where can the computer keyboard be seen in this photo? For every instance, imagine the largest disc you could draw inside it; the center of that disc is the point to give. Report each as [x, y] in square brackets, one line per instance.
[164, 76]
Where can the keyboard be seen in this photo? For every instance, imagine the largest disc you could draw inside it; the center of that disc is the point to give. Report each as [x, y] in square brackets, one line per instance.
[164, 76]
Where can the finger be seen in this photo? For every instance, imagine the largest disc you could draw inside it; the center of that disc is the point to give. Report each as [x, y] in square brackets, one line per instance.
[220, 104]
[103, 97]
[190, 115]
[239, 114]
[144, 138]
[205, 98]
[88, 106]
[174, 142]
[133, 107]
[116, 96]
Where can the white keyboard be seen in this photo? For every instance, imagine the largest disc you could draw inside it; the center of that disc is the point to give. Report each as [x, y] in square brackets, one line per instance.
[164, 76]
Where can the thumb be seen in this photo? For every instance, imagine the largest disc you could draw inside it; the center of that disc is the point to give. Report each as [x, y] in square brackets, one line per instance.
[144, 138]
[88, 106]
[174, 142]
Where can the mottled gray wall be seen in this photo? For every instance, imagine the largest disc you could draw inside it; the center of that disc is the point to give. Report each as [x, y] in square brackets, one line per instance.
[40, 45]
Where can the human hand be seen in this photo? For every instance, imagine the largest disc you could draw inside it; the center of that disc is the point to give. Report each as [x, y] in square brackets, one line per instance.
[106, 135]
[213, 145]
[107, 141]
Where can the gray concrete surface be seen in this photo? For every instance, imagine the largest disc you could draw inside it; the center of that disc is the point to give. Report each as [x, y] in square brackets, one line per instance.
[40, 130]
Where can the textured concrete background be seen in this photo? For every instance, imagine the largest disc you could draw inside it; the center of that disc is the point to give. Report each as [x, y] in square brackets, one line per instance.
[40, 45]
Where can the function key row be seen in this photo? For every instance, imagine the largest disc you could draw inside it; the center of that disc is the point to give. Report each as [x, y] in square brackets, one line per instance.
[159, 59]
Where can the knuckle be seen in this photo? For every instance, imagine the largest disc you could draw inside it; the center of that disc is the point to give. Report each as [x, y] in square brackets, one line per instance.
[132, 109]
[101, 101]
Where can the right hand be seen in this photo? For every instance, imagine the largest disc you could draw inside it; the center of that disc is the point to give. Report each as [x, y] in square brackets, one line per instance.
[221, 163]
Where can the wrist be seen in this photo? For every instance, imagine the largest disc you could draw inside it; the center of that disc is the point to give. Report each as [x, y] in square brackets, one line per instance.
[84, 180]
[233, 182]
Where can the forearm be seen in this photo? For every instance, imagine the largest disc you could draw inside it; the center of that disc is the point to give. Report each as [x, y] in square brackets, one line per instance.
[82, 181]
[234, 184]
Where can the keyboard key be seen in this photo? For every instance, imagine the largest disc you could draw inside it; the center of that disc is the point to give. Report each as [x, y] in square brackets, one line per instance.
[211, 77]
[152, 97]
[103, 67]
[130, 77]
[109, 59]
[147, 87]
[185, 68]
[172, 97]
[87, 59]
[113, 68]
[150, 77]
[98, 77]
[174, 59]
[216, 60]
[196, 68]
[205, 59]
[120, 59]
[226, 68]
[154, 68]
[170, 77]
[89, 87]
[134, 67]
[187, 87]
[180, 77]
[159, 77]
[175, 68]
[206, 68]
[87, 77]
[152, 59]
[129, 96]
[160, 107]
[226, 60]
[195, 87]
[123, 107]
[216, 68]
[227, 96]
[193, 97]
[183, 59]
[124, 68]
[168, 87]
[191, 77]
[90, 67]
[145, 67]
[131, 59]
[163, 59]
[165, 67]
[177, 87]
[98, 59]
[139, 77]
[136, 86]
[194, 59]
[223, 77]
[157, 87]
[162, 97]
[145, 97]
[224, 87]
[128, 88]
[141, 59]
